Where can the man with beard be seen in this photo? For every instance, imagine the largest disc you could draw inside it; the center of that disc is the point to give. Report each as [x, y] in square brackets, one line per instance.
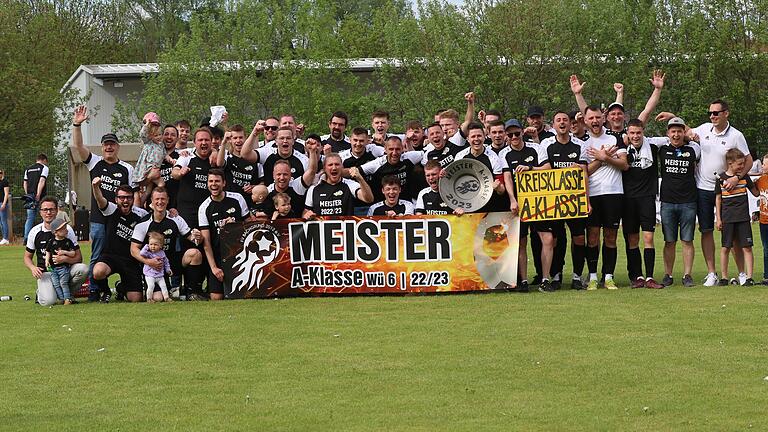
[607, 158]
[392, 205]
[333, 195]
[217, 210]
[397, 163]
[429, 200]
[39, 237]
[241, 176]
[336, 141]
[121, 218]
[537, 130]
[267, 156]
[438, 148]
[519, 157]
[187, 262]
[565, 151]
[113, 173]
[295, 188]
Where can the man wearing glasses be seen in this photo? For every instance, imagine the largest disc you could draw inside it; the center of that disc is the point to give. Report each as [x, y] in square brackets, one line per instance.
[39, 236]
[715, 138]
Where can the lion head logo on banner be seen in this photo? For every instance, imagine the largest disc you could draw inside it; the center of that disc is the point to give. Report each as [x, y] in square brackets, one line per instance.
[260, 248]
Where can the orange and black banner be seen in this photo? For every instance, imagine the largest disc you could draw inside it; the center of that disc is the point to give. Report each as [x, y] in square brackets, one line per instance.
[552, 194]
[378, 255]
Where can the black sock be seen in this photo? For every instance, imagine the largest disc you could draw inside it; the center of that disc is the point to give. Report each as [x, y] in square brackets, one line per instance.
[649, 256]
[577, 254]
[103, 286]
[193, 279]
[536, 246]
[609, 259]
[634, 263]
[593, 254]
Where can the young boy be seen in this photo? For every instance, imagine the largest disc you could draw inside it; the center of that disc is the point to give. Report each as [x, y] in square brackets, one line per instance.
[762, 187]
[60, 245]
[732, 217]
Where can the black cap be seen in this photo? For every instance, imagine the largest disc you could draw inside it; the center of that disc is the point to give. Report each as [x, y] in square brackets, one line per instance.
[535, 110]
[572, 115]
[109, 137]
[314, 136]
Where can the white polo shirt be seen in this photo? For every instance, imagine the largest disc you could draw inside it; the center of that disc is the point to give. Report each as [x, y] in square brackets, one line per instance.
[713, 148]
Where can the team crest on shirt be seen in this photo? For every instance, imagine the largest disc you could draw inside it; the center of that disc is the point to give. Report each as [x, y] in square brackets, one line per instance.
[572, 155]
[442, 204]
[168, 232]
[686, 154]
[529, 159]
[249, 168]
[338, 193]
[231, 210]
[117, 175]
[293, 170]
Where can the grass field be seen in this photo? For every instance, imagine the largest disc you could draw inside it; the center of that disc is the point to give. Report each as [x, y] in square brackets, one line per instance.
[673, 359]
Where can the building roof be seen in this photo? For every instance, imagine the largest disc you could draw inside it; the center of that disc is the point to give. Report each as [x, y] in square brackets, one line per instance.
[140, 69]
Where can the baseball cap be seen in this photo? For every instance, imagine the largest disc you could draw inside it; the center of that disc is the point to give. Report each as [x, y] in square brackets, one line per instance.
[535, 110]
[314, 137]
[57, 223]
[615, 105]
[675, 121]
[109, 137]
[512, 123]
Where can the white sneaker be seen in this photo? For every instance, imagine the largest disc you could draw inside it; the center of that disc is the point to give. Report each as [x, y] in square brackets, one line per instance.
[4, 242]
[710, 280]
[742, 278]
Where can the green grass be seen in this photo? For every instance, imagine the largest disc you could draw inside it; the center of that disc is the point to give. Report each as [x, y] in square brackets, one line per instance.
[673, 359]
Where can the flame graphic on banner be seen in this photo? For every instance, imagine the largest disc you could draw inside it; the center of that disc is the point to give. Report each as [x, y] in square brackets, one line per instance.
[260, 249]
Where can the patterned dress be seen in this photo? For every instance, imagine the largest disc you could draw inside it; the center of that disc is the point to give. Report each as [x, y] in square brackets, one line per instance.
[151, 156]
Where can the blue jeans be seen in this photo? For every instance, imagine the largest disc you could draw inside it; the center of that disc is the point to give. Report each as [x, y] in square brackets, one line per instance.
[676, 217]
[31, 214]
[60, 280]
[706, 210]
[764, 238]
[4, 224]
[98, 237]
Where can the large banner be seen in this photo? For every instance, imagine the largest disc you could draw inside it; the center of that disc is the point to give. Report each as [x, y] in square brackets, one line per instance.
[552, 194]
[379, 255]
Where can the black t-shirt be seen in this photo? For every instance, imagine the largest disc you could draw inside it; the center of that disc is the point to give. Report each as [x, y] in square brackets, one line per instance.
[403, 170]
[349, 160]
[336, 146]
[193, 188]
[213, 214]
[3, 184]
[296, 191]
[735, 203]
[120, 229]
[543, 134]
[268, 156]
[38, 239]
[642, 177]
[32, 175]
[55, 245]
[526, 156]
[173, 228]
[240, 173]
[678, 170]
[444, 156]
[381, 208]
[430, 202]
[113, 175]
[326, 199]
[566, 155]
[171, 185]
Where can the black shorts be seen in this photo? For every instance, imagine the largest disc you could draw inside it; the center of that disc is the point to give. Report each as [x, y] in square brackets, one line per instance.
[214, 286]
[606, 211]
[739, 231]
[577, 226]
[128, 268]
[639, 213]
[535, 227]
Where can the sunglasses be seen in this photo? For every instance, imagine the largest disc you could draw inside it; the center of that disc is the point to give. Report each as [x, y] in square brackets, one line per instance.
[715, 113]
[514, 134]
[271, 128]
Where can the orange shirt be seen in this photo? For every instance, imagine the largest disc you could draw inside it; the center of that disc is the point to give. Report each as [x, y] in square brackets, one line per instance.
[762, 186]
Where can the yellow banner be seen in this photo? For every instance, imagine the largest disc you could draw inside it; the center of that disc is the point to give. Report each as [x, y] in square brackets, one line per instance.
[552, 194]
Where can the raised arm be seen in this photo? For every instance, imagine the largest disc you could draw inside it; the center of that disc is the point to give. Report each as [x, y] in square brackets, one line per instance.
[470, 114]
[97, 195]
[619, 89]
[576, 88]
[248, 152]
[312, 148]
[221, 156]
[657, 80]
[364, 194]
[80, 116]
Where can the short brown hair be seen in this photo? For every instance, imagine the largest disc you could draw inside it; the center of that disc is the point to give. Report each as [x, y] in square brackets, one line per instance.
[449, 114]
[733, 155]
[281, 196]
[380, 113]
